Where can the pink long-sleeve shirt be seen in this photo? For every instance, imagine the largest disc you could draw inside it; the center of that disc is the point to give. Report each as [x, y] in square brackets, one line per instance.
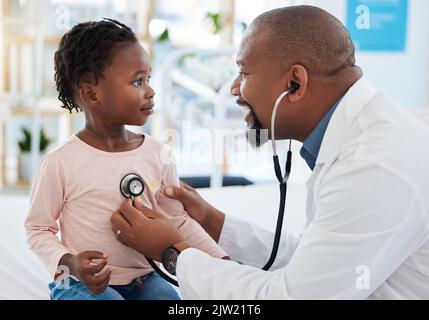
[77, 190]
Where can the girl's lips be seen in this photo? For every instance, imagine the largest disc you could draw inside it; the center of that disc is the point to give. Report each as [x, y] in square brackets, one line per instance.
[147, 111]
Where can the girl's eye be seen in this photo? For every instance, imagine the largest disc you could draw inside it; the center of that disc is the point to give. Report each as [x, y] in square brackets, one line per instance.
[242, 74]
[138, 83]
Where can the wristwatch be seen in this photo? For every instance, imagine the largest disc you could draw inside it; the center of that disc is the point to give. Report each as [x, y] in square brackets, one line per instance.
[169, 257]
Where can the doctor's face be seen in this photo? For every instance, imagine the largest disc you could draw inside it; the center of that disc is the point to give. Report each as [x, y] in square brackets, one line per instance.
[258, 84]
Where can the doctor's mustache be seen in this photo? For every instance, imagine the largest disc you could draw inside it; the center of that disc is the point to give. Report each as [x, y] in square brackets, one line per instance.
[256, 135]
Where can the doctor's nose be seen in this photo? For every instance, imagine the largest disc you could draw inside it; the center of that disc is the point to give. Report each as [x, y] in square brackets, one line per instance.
[235, 87]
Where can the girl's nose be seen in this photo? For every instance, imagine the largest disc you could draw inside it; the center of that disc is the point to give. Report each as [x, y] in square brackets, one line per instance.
[150, 93]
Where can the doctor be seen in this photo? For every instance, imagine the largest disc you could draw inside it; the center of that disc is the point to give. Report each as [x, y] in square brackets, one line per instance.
[367, 232]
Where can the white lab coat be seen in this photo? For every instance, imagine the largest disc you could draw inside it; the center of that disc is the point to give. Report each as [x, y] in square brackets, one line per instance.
[367, 232]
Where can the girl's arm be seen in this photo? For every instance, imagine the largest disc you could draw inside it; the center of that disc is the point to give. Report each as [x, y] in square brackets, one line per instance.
[46, 203]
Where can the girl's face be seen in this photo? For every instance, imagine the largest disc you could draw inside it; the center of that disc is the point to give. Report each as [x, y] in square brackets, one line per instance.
[126, 98]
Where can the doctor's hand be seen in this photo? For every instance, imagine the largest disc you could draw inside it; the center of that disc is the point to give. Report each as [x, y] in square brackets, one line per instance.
[144, 230]
[210, 218]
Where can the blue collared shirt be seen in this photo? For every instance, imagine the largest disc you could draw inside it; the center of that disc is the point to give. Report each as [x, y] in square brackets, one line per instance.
[311, 147]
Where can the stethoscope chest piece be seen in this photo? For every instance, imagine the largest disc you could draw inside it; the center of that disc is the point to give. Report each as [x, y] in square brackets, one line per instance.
[132, 185]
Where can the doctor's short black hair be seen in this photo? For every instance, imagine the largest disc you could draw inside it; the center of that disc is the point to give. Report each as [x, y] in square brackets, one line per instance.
[87, 49]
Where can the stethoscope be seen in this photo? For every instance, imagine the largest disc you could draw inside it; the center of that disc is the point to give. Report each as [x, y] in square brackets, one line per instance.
[132, 186]
[282, 179]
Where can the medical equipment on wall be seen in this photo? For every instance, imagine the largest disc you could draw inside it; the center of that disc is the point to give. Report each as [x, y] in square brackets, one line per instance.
[132, 186]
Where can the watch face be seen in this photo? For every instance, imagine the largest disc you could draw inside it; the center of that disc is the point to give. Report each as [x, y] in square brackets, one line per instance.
[170, 260]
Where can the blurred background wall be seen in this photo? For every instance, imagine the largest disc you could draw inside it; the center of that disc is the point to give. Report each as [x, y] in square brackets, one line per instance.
[192, 45]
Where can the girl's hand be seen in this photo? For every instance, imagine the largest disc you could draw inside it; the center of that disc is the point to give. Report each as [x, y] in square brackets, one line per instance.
[87, 266]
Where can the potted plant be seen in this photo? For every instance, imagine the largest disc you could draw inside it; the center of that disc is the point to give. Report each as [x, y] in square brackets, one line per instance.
[24, 165]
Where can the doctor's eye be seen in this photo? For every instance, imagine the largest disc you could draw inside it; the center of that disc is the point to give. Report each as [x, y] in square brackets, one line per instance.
[242, 74]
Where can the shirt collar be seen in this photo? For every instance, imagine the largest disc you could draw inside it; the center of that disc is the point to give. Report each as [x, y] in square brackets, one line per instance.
[311, 146]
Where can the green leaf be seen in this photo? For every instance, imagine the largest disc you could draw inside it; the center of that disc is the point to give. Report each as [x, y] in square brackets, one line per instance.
[25, 143]
[164, 36]
[243, 25]
[44, 141]
[186, 56]
[215, 19]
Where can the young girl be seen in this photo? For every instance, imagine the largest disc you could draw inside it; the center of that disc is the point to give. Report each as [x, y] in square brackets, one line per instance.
[102, 70]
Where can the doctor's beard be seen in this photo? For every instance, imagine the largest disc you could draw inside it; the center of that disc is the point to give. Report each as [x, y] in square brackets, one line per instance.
[256, 136]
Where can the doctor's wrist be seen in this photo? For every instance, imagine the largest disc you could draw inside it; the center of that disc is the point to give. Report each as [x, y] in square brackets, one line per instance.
[181, 246]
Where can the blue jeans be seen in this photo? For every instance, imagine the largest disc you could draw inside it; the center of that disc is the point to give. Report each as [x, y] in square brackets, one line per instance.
[149, 287]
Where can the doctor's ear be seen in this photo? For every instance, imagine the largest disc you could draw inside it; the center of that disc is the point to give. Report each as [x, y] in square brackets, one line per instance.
[88, 94]
[297, 82]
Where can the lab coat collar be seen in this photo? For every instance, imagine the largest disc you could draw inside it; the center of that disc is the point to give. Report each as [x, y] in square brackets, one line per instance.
[347, 111]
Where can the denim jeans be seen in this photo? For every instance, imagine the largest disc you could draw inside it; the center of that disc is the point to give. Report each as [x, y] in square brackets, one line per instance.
[149, 287]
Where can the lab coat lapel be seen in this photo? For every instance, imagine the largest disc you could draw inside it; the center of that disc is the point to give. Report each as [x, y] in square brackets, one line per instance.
[310, 209]
[341, 121]
[337, 133]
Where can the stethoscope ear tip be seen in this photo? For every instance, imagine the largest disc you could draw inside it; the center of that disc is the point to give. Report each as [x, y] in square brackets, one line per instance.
[294, 88]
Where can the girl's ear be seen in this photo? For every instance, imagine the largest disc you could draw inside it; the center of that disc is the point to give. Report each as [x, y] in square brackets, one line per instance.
[298, 80]
[88, 94]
